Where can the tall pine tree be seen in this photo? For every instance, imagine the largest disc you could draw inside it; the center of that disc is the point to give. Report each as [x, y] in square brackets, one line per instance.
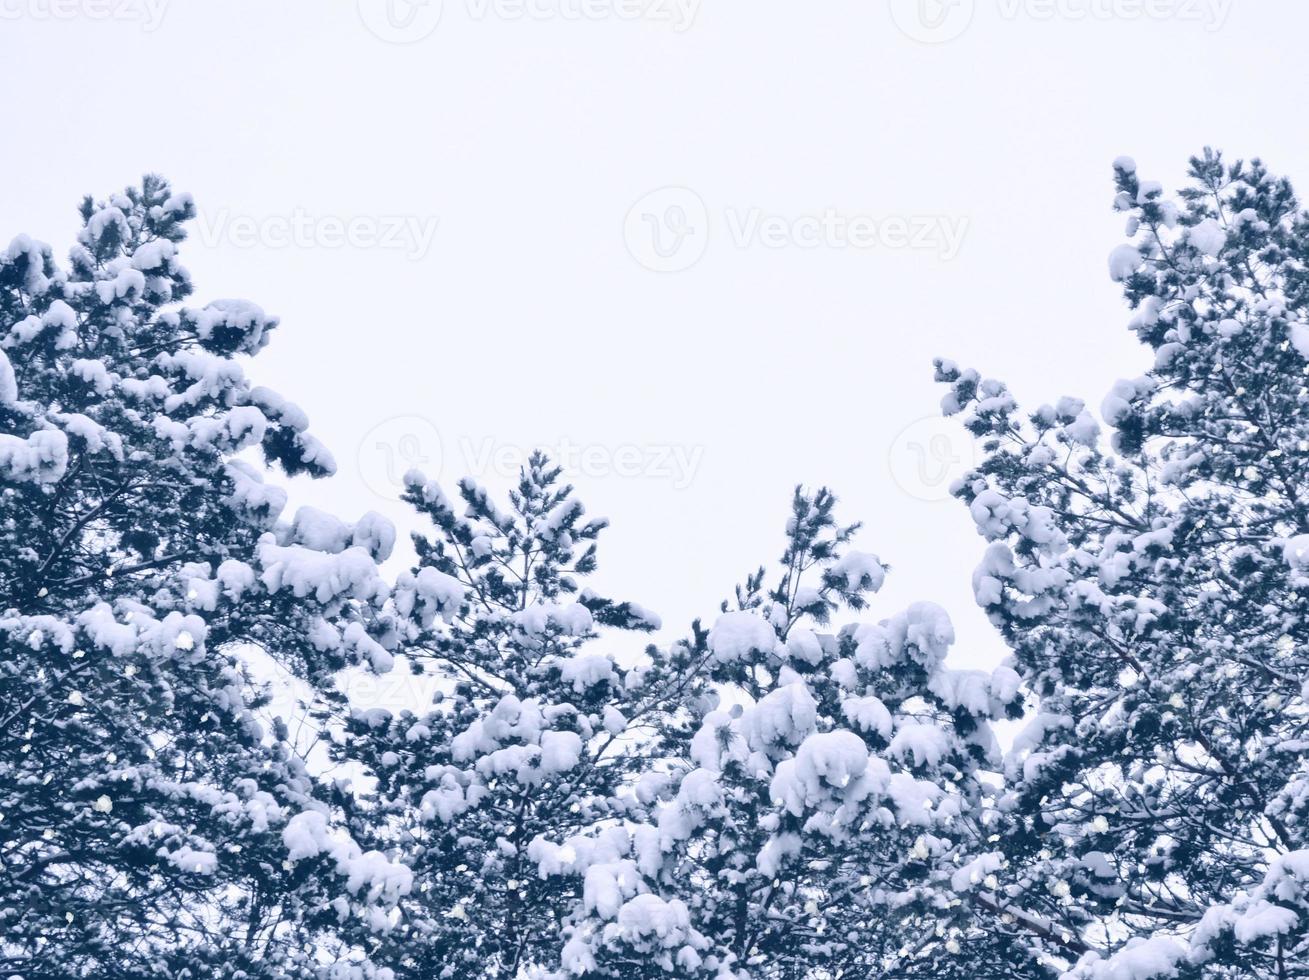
[534, 731]
[153, 821]
[1152, 586]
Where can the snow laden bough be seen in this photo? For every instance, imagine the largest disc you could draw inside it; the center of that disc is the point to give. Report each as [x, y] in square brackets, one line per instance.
[823, 812]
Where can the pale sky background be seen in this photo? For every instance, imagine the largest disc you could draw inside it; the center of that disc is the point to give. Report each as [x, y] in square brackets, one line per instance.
[533, 134]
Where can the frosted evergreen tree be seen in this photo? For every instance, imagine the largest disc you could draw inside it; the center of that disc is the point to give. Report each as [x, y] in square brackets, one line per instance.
[153, 821]
[535, 729]
[1152, 586]
[828, 819]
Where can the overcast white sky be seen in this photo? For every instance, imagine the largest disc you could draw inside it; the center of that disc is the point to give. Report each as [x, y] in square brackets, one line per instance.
[798, 176]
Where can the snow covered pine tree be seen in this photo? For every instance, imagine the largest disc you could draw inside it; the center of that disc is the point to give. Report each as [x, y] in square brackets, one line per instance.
[532, 735]
[831, 822]
[150, 824]
[1155, 592]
